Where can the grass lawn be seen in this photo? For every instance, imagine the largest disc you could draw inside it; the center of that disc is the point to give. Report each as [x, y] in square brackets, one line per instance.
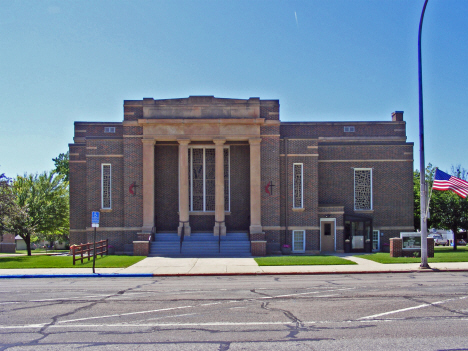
[301, 260]
[45, 261]
[36, 252]
[441, 254]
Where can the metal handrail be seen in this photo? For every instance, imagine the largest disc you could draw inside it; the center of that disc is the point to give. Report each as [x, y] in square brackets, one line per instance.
[182, 235]
[219, 238]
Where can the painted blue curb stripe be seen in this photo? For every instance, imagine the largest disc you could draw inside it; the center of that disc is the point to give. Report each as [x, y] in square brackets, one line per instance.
[84, 275]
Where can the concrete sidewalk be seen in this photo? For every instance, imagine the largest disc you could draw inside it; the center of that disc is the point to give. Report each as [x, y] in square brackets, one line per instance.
[162, 266]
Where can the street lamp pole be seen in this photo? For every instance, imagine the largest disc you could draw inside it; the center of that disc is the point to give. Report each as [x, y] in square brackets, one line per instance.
[422, 164]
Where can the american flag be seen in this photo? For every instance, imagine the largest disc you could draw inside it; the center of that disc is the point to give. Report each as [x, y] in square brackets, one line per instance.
[444, 181]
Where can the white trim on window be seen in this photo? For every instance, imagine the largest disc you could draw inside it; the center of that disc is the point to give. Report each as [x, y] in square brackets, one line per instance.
[106, 186]
[298, 241]
[363, 202]
[298, 199]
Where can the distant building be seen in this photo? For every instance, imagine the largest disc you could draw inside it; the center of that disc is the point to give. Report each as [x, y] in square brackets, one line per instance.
[206, 164]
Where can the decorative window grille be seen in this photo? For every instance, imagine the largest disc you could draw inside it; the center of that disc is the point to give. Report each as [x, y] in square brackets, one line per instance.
[109, 129]
[349, 129]
[363, 189]
[297, 185]
[202, 179]
[106, 186]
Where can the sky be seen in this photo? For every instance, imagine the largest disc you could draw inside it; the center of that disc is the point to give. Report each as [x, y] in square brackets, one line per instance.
[324, 60]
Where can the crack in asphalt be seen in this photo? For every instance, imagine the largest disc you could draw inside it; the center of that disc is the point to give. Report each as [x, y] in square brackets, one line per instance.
[224, 346]
[299, 324]
[43, 331]
[294, 330]
[259, 293]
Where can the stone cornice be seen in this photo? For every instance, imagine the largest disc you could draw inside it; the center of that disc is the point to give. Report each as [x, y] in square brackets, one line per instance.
[241, 121]
[361, 138]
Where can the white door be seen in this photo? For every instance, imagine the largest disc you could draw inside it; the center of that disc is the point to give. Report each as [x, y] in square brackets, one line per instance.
[327, 236]
[376, 240]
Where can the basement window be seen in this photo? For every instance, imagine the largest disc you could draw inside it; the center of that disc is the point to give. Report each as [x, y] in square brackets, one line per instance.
[109, 129]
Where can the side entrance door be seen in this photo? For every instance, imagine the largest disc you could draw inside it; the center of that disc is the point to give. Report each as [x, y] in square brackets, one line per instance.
[327, 235]
[376, 240]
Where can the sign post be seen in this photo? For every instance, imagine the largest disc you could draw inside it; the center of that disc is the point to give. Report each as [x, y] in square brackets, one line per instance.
[94, 224]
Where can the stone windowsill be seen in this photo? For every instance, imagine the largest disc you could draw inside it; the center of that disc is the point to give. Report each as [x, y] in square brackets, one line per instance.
[106, 210]
[201, 213]
[364, 211]
[302, 209]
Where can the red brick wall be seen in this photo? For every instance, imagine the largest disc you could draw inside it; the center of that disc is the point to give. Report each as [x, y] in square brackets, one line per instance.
[141, 248]
[133, 173]
[396, 247]
[328, 179]
[258, 248]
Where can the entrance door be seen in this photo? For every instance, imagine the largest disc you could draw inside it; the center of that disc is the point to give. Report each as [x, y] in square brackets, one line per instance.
[327, 235]
[375, 240]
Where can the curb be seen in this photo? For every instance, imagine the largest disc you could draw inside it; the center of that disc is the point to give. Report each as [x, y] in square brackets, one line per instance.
[78, 275]
[151, 275]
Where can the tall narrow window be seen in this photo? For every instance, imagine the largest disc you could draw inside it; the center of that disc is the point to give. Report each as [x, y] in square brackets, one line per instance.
[297, 185]
[362, 189]
[202, 182]
[106, 186]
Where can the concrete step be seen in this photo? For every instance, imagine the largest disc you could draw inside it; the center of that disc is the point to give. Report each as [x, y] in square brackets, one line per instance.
[201, 245]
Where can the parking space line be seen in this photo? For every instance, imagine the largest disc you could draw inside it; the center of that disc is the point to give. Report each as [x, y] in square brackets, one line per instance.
[411, 308]
[206, 304]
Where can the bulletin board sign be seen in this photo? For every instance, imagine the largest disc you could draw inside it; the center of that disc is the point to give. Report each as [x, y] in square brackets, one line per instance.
[411, 241]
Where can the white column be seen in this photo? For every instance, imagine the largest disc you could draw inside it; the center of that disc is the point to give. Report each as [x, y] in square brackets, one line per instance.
[220, 226]
[255, 187]
[183, 188]
[148, 186]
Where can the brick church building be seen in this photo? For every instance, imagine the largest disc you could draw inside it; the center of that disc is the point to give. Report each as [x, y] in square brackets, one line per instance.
[181, 167]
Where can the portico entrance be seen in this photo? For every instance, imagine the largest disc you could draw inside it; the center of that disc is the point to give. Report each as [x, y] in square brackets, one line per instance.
[201, 187]
[210, 193]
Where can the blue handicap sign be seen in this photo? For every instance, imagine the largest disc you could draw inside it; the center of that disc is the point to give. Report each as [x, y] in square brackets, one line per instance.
[95, 217]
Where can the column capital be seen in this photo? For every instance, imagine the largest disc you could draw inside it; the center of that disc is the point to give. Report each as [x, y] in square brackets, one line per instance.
[253, 141]
[219, 141]
[149, 141]
[183, 141]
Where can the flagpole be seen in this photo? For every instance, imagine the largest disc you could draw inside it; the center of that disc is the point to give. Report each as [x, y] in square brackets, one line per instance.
[422, 184]
[429, 198]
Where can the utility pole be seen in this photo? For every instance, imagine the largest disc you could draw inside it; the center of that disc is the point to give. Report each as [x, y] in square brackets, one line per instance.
[422, 164]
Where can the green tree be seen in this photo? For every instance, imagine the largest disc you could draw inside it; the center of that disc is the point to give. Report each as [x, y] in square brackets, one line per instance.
[417, 200]
[43, 200]
[430, 170]
[20, 223]
[62, 165]
[7, 201]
